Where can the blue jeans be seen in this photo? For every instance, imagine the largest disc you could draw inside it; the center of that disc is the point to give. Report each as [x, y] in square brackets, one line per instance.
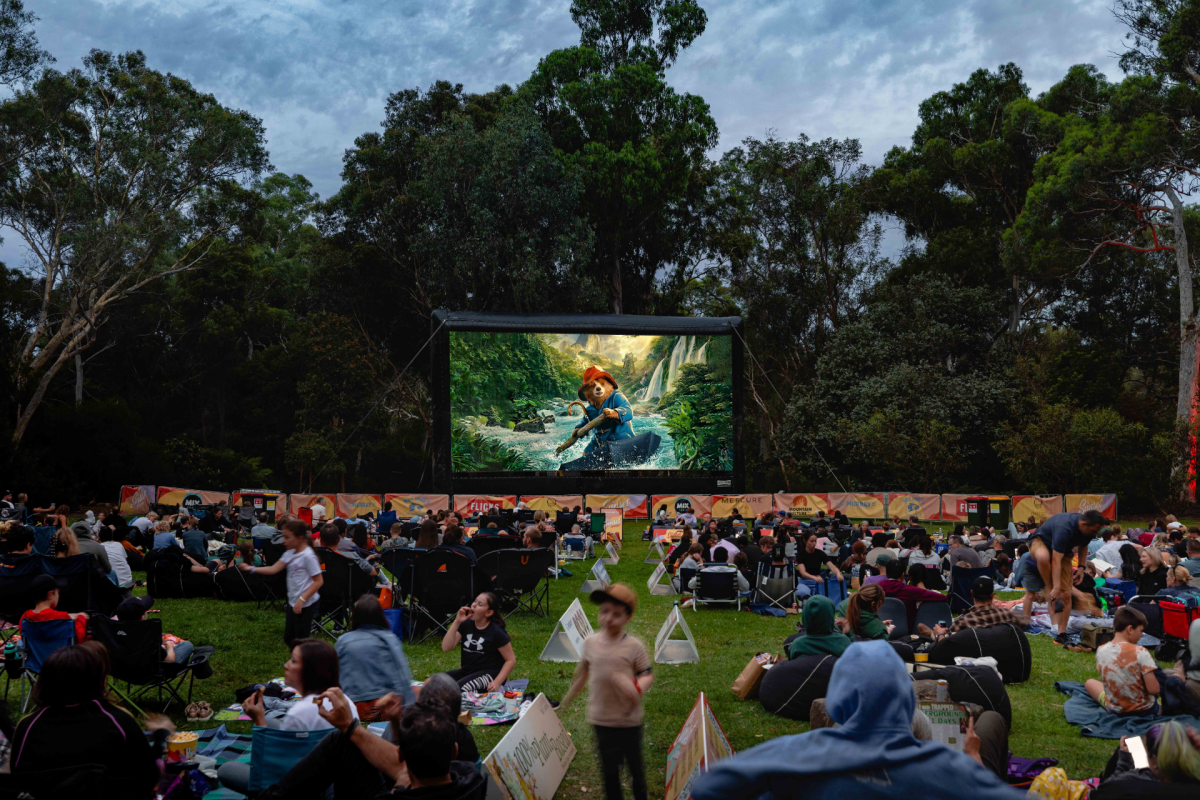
[183, 652]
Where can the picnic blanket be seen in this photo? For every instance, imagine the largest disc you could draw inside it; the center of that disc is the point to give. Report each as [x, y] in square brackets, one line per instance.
[1097, 723]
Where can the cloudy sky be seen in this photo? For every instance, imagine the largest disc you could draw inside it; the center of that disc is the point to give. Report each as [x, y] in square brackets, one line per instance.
[318, 71]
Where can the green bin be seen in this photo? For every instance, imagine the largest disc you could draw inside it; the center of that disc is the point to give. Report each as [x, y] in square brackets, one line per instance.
[977, 511]
[999, 512]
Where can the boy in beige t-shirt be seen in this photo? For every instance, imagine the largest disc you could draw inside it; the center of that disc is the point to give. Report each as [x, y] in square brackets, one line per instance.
[618, 673]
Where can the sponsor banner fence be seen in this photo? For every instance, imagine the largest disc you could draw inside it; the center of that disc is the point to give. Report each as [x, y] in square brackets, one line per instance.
[859, 504]
[1039, 507]
[350, 506]
[472, 504]
[1106, 504]
[925, 506]
[633, 505]
[299, 501]
[747, 504]
[954, 507]
[136, 499]
[699, 504]
[189, 498]
[551, 503]
[414, 504]
[802, 505]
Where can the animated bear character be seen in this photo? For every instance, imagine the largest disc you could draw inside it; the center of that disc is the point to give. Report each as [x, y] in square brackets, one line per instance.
[600, 392]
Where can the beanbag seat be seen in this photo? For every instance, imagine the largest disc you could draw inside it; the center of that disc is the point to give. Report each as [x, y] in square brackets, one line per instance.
[1005, 643]
[789, 687]
[973, 684]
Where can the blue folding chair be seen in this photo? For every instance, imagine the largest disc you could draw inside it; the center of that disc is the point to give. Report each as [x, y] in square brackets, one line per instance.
[960, 585]
[273, 752]
[39, 640]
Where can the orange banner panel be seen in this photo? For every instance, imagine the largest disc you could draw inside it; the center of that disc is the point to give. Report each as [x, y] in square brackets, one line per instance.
[954, 507]
[747, 504]
[925, 506]
[1106, 504]
[414, 504]
[634, 505]
[350, 506]
[552, 503]
[136, 499]
[699, 504]
[299, 501]
[189, 498]
[802, 505]
[870, 505]
[472, 504]
[1040, 507]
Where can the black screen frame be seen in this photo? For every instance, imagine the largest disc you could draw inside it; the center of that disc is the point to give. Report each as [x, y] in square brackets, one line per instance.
[447, 481]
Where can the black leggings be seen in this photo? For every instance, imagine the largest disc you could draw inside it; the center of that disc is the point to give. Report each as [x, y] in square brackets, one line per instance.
[618, 745]
[298, 626]
[472, 681]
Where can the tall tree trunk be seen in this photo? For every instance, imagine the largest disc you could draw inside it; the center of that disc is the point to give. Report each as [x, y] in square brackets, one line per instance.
[1014, 319]
[1189, 352]
[78, 379]
[617, 300]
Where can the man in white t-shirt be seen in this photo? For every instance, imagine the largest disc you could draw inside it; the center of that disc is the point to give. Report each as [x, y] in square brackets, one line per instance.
[318, 511]
[117, 559]
[145, 523]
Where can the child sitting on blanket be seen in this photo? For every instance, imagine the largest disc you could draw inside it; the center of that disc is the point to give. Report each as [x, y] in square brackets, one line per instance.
[1128, 685]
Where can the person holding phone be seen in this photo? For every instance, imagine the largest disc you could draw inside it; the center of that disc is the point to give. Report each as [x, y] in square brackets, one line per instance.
[487, 654]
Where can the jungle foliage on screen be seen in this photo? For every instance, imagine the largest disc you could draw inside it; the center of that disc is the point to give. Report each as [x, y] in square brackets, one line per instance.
[544, 402]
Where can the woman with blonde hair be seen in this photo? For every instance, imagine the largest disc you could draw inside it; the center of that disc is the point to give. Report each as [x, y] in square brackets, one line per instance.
[1152, 577]
[64, 543]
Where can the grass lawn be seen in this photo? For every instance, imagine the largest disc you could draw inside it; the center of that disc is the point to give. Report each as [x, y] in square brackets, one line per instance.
[250, 649]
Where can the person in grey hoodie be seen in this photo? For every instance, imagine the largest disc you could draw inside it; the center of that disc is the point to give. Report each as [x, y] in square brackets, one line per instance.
[371, 660]
[89, 545]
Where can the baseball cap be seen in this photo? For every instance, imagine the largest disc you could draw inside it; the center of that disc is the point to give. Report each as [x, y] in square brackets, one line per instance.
[134, 608]
[883, 559]
[617, 593]
[983, 587]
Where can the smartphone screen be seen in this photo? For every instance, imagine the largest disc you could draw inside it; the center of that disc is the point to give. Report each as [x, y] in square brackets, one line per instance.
[1137, 749]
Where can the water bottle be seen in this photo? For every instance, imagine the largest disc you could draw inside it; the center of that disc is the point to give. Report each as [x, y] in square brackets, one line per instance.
[12, 659]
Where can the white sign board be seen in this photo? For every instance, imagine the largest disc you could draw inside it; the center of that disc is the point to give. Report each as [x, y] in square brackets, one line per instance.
[653, 584]
[566, 642]
[610, 554]
[530, 761]
[656, 555]
[599, 580]
[675, 651]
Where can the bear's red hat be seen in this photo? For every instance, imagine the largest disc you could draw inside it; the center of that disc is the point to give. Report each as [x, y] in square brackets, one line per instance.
[593, 372]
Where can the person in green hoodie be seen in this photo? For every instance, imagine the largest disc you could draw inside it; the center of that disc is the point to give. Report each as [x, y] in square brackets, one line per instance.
[858, 614]
[821, 636]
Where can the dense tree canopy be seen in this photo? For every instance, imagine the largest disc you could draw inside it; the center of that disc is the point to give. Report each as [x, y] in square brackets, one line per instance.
[190, 316]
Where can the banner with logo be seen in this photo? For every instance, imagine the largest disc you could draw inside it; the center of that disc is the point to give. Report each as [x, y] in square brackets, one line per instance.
[531, 760]
[954, 507]
[1106, 504]
[872, 505]
[748, 505]
[136, 500]
[925, 506]
[1040, 507]
[700, 743]
[413, 504]
[189, 498]
[698, 504]
[634, 505]
[472, 504]
[350, 506]
[552, 503]
[802, 505]
[299, 501]
[270, 502]
[614, 529]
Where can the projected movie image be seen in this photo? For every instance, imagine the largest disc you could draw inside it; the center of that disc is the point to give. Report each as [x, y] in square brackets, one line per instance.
[545, 402]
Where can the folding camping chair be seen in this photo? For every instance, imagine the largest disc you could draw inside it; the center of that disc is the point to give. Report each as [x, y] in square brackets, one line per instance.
[893, 608]
[482, 545]
[716, 584]
[272, 552]
[345, 582]
[779, 591]
[39, 640]
[16, 575]
[135, 657]
[443, 582]
[273, 752]
[520, 577]
[932, 613]
[960, 585]
[575, 548]
[399, 562]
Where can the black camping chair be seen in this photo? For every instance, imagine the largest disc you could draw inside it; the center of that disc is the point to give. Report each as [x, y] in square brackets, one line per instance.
[134, 654]
[16, 575]
[272, 552]
[344, 583]
[443, 582]
[482, 545]
[716, 586]
[960, 585]
[893, 608]
[932, 613]
[399, 562]
[521, 577]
